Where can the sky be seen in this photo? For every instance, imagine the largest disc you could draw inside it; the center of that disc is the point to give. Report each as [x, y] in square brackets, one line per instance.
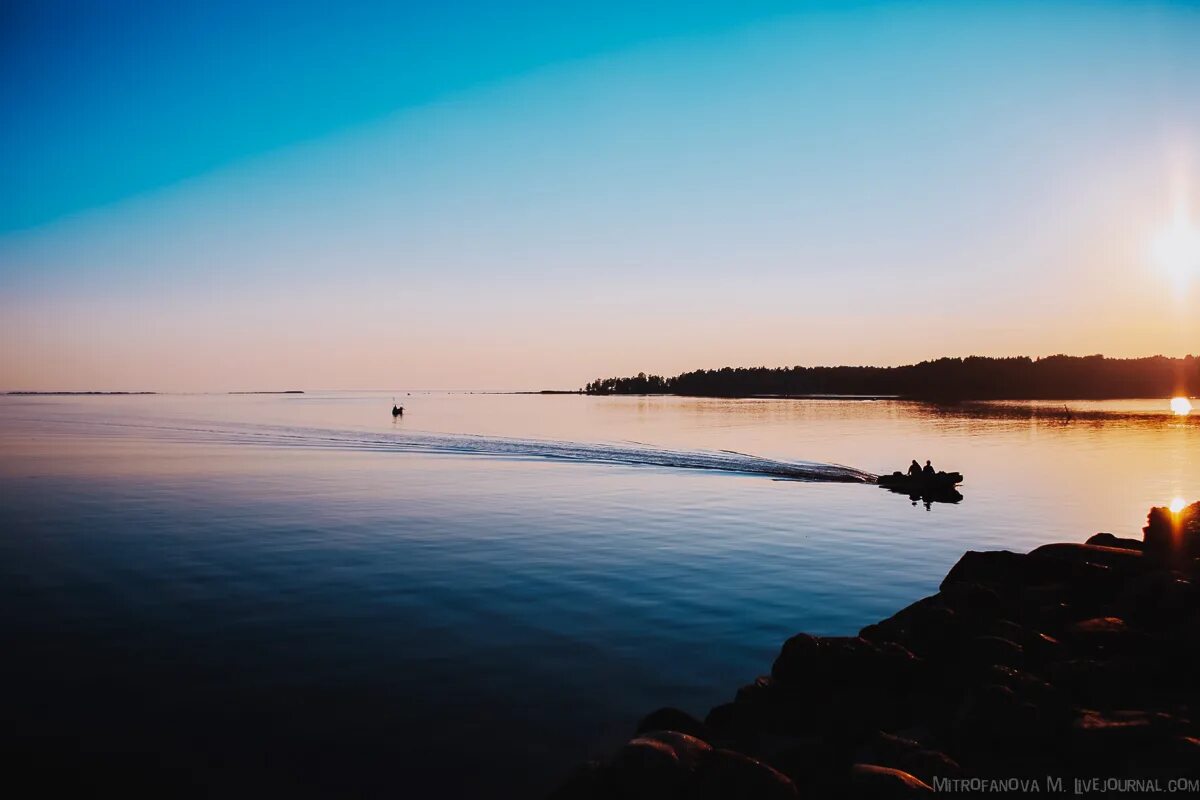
[210, 196]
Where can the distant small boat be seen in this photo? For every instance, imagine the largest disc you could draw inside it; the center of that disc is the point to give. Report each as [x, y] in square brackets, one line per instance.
[918, 484]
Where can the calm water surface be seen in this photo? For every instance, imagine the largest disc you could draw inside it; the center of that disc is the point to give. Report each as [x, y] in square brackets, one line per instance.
[234, 594]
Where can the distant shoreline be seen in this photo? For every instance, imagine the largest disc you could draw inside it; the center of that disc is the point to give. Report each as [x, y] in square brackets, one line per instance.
[1058, 377]
[72, 394]
[124, 394]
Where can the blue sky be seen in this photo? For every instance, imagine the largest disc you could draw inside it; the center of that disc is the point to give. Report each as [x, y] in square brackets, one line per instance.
[276, 190]
[107, 99]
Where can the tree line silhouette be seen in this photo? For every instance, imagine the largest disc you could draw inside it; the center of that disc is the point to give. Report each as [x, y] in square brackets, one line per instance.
[1058, 377]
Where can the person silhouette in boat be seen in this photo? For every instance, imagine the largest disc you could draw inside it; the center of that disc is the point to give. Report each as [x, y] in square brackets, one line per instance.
[914, 469]
[928, 471]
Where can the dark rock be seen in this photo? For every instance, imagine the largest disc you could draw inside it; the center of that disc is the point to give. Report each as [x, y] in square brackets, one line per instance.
[1050, 564]
[668, 764]
[1042, 647]
[816, 663]
[1099, 626]
[840, 685]
[1102, 738]
[1044, 607]
[763, 687]
[990, 568]
[928, 628]
[657, 764]
[987, 650]
[769, 706]
[727, 774]
[586, 782]
[874, 781]
[974, 603]
[723, 718]
[1037, 647]
[1068, 557]
[929, 765]
[994, 715]
[1158, 599]
[818, 766]
[1109, 540]
[1178, 653]
[1029, 688]
[884, 747]
[799, 654]
[1109, 635]
[672, 719]
[1092, 576]
[898, 752]
[1102, 680]
[1178, 757]
[738, 726]
[1006, 629]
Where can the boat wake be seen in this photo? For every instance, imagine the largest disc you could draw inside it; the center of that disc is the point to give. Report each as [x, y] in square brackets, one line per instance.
[631, 454]
[636, 455]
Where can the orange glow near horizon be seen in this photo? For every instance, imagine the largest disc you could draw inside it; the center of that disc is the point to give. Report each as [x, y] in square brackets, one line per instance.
[1181, 406]
[1176, 505]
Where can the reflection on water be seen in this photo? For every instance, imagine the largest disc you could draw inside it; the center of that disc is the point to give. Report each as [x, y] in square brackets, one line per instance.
[928, 496]
[304, 590]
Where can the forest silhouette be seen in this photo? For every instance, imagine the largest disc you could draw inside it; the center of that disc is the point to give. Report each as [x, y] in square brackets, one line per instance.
[1057, 377]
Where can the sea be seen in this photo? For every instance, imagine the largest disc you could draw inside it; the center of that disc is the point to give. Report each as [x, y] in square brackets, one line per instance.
[230, 595]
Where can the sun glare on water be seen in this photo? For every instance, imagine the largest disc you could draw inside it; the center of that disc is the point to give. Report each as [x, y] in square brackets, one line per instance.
[1181, 406]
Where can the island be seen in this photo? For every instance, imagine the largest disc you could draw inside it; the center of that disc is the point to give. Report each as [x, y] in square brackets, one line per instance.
[1058, 377]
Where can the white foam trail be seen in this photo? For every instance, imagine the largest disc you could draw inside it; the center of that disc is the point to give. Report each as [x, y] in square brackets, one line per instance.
[626, 454]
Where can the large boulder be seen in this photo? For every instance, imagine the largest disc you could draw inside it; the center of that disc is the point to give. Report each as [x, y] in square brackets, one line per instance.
[818, 765]
[657, 765]
[588, 781]
[1158, 599]
[841, 685]
[907, 755]
[988, 650]
[1107, 739]
[1104, 635]
[874, 781]
[818, 662]
[976, 604]
[1109, 540]
[928, 627]
[668, 765]
[672, 719]
[1075, 560]
[728, 774]
[1176, 757]
[993, 568]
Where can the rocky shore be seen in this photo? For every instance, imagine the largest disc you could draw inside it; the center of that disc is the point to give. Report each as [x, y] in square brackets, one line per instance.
[1071, 662]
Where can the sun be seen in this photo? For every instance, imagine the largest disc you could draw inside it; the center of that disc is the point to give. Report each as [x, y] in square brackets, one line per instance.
[1176, 505]
[1181, 406]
